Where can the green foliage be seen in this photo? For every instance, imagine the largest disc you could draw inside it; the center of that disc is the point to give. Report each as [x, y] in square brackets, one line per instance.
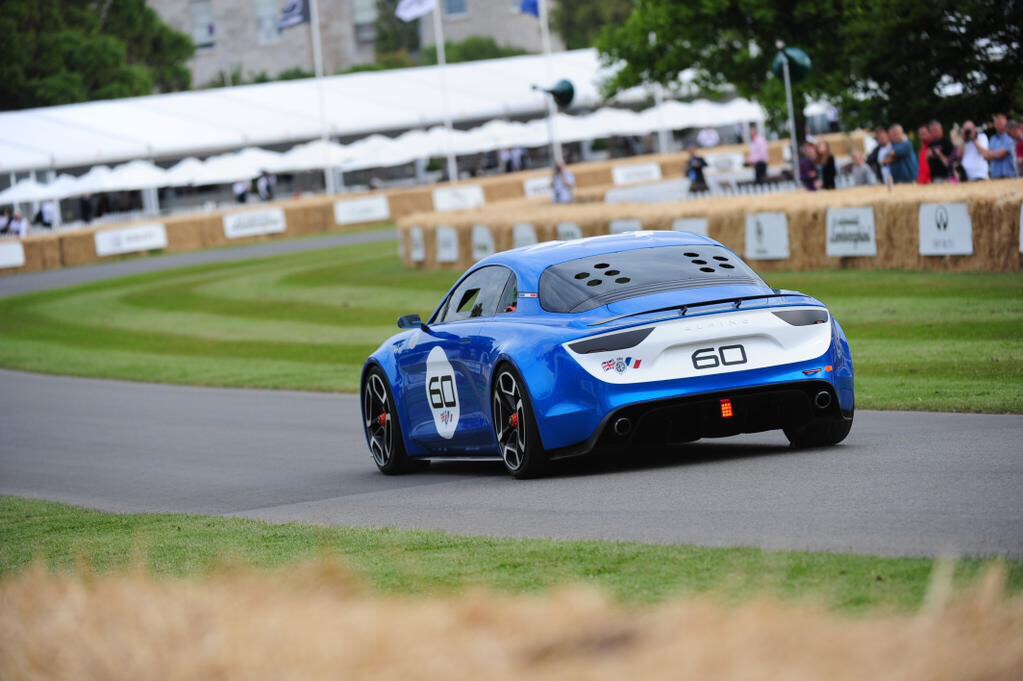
[473, 48]
[579, 23]
[880, 60]
[393, 34]
[411, 562]
[384, 62]
[62, 52]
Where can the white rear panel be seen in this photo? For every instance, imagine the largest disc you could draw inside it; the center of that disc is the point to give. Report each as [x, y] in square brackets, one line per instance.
[708, 345]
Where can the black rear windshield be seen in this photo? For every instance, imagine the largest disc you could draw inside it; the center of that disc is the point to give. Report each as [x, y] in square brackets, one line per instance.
[586, 283]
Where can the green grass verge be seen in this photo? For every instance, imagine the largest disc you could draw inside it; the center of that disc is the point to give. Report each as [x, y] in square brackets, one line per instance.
[307, 321]
[432, 562]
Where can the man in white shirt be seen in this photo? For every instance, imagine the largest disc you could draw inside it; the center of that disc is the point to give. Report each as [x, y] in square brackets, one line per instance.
[974, 153]
[708, 137]
[563, 184]
[18, 225]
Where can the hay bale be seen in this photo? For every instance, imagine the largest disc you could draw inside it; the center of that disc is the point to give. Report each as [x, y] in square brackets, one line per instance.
[78, 248]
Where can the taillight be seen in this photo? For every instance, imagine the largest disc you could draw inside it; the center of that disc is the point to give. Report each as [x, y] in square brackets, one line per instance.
[726, 409]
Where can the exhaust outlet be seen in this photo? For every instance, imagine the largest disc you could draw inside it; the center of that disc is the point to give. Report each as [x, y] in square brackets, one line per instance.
[822, 399]
[622, 427]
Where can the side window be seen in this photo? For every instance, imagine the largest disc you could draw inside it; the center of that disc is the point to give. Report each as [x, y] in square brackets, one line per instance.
[481, 294]
[510, 297]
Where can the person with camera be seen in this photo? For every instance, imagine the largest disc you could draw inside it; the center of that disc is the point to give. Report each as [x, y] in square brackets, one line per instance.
[974, 153]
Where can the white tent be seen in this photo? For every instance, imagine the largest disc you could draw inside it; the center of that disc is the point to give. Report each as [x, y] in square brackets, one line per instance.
[313, 155]
[243, 165]
[183, 173]
[137, 175]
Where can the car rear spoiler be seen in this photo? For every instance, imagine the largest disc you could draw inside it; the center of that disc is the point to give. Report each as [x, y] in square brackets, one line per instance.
[736, 301]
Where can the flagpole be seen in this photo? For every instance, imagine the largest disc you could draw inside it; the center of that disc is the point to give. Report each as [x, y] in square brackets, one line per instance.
[438, 37]
[552, 111]
[329, 179]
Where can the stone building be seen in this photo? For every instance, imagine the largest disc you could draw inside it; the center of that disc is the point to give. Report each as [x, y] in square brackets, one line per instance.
[243, 35]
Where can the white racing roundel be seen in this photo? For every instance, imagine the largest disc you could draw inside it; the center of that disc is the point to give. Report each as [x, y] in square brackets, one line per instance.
[442, 392]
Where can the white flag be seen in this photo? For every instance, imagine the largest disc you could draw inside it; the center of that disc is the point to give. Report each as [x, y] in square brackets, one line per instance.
[410, 10]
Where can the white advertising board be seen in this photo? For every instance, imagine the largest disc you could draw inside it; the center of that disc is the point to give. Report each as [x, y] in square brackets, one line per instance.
[851, 233]
[131, 240]
[695, 225]
[537, 186]
[12, 254]
[447, 199]
[447, 244]
[523, 234]
[634, 174]
[417, 245]
[767, 236]
[566, 231]
[355, 211]
[622, 226]
[255, 223]
[482, 242]
[945, 229]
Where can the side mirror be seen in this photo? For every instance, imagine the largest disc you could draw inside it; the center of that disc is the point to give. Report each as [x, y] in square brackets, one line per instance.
[410, 321]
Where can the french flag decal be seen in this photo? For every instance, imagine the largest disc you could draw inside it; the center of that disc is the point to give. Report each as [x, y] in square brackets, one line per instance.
[636, 365]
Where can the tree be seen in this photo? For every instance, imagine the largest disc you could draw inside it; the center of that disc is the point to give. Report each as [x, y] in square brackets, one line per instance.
[59, 52]
[880, 60]
[579, 23]
[393, 34]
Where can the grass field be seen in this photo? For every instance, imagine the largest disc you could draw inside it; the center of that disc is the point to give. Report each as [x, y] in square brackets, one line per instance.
[307, 321]
[402, 562]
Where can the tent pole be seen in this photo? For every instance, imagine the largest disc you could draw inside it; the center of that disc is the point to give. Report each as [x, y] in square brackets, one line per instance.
[438, 38]
[329, 178]
[552, 109]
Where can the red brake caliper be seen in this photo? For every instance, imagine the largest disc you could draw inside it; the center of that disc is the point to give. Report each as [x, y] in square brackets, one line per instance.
[514, 420]
[382, 419]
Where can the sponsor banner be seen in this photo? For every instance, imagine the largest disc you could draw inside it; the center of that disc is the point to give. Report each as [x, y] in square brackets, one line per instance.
[131, 240]
[447, 244]
[622, 226]
[537, 186]
[523, 234]
[566, 231]
[851, 233]
[255, 223]
[448, 199]
[482, 242]
[699, 226]
[417, 248]
[945, 229]
[355, 211]
[12, 254]
[634, 174]
[767, 236]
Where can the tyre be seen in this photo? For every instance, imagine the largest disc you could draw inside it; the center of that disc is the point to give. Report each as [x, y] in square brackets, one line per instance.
[383, 432]
[515, 426]
[820, 434]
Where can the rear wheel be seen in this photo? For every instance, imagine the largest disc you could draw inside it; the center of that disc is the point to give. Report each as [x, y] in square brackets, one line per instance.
[383, 432]
[820, 434]
[515, 427]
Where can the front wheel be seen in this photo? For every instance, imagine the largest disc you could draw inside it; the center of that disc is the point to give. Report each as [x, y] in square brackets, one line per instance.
[820, 434]
[515, 426]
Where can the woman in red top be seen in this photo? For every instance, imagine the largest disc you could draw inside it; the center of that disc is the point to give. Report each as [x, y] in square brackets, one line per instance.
[923, 175]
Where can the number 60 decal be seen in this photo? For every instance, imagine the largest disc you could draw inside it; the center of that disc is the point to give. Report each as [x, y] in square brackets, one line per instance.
[726, 355]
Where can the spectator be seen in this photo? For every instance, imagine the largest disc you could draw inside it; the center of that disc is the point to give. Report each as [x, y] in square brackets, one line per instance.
[18, 225]
[85, 208]
[862, 175]
[47, 215]
[902, 159]
[826, 161]
[5, 219]
[923, 173]
[878, 155]
[708, 137]
[265, 186]
[939, 153]
[974, 153]
[1002, 149]
[1016, 133]
[694, 171]
[563, 184]
[241, 191]
[808, 173]
[758, 154]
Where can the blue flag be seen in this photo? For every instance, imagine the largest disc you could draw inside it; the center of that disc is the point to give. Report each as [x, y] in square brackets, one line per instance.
[530, 7]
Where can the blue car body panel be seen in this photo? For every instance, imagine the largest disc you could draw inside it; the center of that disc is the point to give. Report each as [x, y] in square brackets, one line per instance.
[571, 404]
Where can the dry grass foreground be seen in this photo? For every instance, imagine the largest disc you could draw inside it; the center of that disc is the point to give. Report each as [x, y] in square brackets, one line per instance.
[317, 621]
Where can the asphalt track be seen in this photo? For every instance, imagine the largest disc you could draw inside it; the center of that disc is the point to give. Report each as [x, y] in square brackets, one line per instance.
[902, 484]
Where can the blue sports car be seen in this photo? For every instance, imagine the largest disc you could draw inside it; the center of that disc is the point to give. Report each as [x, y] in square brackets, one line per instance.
[648, 338]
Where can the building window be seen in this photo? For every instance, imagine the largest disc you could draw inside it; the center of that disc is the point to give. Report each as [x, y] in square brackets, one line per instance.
[364, 16]
[204, 29]
[266, 18]
[456, 8]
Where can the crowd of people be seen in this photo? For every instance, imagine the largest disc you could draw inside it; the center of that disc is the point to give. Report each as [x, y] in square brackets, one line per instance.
[968, 153]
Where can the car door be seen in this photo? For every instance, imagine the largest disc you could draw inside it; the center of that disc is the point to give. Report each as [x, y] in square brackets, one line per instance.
[441, 371]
